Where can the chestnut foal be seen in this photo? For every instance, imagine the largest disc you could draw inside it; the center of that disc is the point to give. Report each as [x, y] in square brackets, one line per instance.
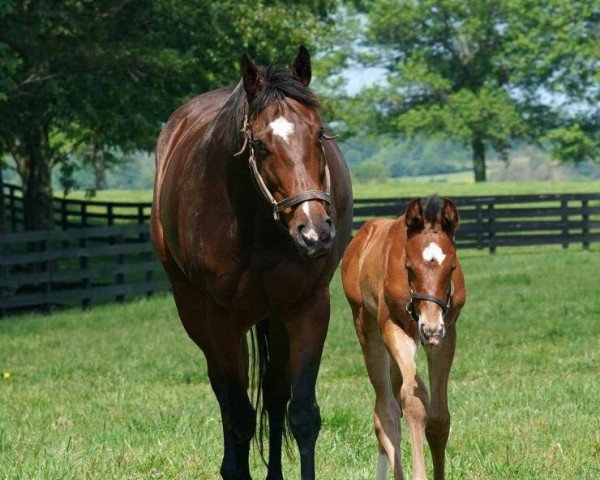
[405, 284]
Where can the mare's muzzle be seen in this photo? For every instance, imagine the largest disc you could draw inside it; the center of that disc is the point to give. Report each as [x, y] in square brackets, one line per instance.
[314, 239]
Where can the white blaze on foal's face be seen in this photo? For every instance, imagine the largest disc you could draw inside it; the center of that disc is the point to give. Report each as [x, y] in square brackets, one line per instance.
[433, 252]
[282, 128]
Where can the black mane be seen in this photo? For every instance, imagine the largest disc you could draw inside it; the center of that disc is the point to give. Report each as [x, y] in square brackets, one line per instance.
[277, 85]
[432, 208]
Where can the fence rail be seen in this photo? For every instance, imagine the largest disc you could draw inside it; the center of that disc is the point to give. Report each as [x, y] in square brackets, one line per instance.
[114, 259]
[77, 267]
[509, 220]
[69, 213]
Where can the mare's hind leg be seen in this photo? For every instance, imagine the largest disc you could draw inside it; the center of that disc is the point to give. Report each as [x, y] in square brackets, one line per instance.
[410, 391]
[386, 412]
[277, 391]
[439, 360]
[225, 349]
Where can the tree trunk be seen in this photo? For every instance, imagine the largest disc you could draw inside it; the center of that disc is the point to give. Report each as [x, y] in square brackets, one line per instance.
[35, 167]
[99, 168]
[478, 158]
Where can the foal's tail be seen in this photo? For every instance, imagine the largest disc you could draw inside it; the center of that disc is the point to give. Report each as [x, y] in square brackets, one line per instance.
[260, 361]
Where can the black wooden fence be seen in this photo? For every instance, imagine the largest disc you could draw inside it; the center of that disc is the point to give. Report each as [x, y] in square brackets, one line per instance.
[77, 267]
[70, 213]
[82, 265]
[509, 220]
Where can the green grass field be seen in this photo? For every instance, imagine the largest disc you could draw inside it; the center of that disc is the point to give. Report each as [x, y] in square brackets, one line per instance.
[120, 392]
[446, 185]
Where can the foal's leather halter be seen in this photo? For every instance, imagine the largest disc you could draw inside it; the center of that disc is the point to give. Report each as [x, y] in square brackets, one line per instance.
[410, 306]
[295, 199]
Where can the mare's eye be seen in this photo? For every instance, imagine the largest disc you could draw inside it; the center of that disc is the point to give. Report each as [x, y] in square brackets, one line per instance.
[260, 147]
[321, 133]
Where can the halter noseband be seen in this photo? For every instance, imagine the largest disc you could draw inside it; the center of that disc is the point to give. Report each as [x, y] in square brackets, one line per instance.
[288, 202]
[410, 306]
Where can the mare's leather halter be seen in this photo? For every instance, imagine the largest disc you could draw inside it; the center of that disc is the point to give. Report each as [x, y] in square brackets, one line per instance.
[295, 199]
[410, 306]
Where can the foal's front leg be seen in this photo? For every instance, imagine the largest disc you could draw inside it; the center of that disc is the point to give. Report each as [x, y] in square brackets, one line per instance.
[411, 393]
[439, 360]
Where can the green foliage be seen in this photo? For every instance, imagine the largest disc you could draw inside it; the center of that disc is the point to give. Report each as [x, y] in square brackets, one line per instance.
[121, 392]
[486, 72]
[80, 72]
[371, 171]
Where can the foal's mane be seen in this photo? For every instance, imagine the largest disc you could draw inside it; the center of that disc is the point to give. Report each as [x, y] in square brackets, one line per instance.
[277, 85]
[432, 209]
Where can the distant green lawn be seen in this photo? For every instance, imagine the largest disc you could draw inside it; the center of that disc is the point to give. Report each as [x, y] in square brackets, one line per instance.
[120, 392]
[446, 185]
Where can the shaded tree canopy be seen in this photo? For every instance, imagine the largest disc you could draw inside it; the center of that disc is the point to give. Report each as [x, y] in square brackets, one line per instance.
[487, 73]
[107, 74]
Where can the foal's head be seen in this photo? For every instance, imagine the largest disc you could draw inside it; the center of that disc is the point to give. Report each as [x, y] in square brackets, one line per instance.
[287, 137]
[430, 261]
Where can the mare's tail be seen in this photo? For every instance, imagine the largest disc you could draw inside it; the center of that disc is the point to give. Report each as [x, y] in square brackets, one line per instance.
[260, 362]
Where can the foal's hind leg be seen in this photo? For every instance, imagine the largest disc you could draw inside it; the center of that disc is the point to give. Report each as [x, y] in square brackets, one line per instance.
[439, 360]
[386, 412]
[277, 391]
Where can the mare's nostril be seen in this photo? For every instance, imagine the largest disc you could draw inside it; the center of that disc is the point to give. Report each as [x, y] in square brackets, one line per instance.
[309, 235]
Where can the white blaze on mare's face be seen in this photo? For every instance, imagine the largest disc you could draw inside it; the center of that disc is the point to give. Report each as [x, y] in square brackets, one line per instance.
[311, 233]
[282, 128]
[433, 252]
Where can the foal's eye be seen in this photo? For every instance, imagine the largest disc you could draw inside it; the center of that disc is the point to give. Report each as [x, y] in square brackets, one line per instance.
[321, 133]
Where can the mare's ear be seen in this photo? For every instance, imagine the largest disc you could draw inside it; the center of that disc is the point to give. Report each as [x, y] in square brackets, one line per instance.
[301, 66]
[414, 217]
[449, 217]
[250, 75]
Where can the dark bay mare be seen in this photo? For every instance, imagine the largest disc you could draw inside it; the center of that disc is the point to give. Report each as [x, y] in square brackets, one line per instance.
[252, 211]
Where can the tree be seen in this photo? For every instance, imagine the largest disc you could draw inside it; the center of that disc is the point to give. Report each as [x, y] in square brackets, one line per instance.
[107, 74]
[488, 73]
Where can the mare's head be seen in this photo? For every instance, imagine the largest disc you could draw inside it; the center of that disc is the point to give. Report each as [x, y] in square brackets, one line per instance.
[430, 260]
[286, 140]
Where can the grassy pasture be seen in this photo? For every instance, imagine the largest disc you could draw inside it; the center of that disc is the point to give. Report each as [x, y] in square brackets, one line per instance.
[446, 185]
[120, 392]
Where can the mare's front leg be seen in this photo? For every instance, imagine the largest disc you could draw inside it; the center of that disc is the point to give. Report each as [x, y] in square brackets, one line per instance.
[409, 388]
[230, 383]
[307, 329]
[439, 360]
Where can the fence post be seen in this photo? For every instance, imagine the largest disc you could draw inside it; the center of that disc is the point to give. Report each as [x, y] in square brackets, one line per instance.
[145, 237]
[585, 217]
[85, 274]
[119, 275]
[564, 206]
[492, 227]
[83, 213]
[110, 214]
[141, 214]
[480, 226]
[47, 267]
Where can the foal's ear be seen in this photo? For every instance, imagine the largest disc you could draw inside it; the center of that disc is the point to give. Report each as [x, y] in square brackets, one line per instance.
[414, 217]
[251, 76]
[449, 217]
[301, 66]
